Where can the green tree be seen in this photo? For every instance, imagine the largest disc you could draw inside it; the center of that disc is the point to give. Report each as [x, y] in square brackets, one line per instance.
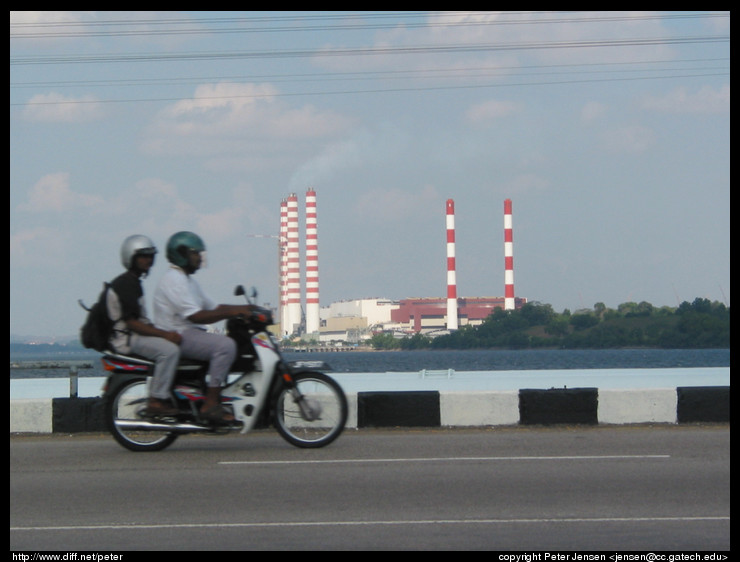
[384, 341]
[699, 324]
[417, 341]
[557, 326]
[583, 321]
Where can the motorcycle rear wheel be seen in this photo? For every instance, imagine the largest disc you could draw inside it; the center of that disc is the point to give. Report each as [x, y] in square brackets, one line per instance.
[321, 391]
[126, 405]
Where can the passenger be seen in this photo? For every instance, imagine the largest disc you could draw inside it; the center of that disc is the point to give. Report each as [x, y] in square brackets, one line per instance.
[134, 333]
[180, 305]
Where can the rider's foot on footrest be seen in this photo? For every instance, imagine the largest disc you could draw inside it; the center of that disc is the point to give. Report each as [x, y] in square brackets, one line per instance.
[217, 414]
[159, 408]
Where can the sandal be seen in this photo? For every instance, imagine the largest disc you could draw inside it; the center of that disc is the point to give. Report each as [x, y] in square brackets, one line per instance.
[155, 408]
[217, 414]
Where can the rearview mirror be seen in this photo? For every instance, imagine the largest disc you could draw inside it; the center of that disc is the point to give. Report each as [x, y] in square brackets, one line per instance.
[251, 298]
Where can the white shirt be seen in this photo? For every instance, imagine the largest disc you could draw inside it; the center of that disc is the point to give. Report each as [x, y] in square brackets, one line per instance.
[178, 296]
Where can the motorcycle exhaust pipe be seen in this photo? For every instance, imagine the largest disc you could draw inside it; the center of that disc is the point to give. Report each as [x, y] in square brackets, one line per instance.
[145, 425]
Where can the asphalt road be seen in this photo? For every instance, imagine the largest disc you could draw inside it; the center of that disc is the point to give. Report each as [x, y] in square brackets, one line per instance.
[611, 489]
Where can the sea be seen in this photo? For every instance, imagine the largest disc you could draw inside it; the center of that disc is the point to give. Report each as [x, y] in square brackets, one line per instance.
[467, 370]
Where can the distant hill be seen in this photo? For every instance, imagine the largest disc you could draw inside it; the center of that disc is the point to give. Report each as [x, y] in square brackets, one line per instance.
[51, 340]
[20, 348]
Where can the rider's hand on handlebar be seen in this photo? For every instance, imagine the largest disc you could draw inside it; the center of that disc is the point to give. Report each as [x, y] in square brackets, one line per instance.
[242, 311]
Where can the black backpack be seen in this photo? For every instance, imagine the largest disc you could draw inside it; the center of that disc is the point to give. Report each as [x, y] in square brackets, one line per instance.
[98, 327]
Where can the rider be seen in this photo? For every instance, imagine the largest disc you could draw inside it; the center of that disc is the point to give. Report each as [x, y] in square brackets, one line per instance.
[180, 305]
[133, 332]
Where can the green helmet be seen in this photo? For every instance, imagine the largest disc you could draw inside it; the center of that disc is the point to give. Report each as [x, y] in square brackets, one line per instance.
[179, 244]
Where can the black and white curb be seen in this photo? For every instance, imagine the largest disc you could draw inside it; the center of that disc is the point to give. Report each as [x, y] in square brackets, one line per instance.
[574, 406]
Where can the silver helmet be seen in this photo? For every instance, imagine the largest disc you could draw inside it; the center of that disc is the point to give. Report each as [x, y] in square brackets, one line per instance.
[138, 244]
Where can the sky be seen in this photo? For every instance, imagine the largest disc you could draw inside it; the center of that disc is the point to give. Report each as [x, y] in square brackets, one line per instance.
[609, 131]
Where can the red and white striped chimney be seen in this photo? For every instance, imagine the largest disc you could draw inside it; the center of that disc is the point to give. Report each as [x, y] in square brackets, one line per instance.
[508, 258]
[283, 275]
[451, 273]
[293, 271]
[312, 265]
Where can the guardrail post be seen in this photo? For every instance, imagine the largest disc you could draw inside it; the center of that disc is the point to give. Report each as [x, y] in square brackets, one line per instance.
[73, 381]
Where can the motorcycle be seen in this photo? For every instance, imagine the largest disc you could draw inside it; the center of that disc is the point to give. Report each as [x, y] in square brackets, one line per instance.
[306, 406]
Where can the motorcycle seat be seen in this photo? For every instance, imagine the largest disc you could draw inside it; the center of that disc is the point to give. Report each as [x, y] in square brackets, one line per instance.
[184, 364]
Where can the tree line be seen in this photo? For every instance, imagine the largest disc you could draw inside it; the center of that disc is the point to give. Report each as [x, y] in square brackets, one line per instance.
[700, 324]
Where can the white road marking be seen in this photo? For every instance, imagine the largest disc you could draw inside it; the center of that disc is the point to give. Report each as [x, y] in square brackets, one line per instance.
[450, 459]
[140, 526]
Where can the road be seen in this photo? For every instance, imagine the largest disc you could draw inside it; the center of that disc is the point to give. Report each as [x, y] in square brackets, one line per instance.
[567, 488]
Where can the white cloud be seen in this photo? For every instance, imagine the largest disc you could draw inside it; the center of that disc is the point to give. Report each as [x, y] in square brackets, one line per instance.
[704, 100]
[56, 108]
[236, 99]
[161, 208]
[22, 243]
[225, 116]
[151, 206]
[52, 193]
[47, 20]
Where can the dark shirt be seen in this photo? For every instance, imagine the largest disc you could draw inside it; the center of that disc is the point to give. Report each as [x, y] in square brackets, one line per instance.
[128, 288]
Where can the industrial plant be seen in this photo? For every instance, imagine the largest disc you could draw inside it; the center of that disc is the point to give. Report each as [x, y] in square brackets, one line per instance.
[355, 321]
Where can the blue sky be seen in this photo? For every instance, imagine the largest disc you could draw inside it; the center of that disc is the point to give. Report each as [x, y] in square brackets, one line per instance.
[610, 132]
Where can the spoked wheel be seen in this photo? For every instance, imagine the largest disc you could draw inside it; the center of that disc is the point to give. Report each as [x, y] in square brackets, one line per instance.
[319, 419]
[123, 411]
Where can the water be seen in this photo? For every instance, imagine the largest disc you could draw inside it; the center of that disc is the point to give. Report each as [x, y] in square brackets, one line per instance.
[529, 360]
[468, 360]
[480, 370]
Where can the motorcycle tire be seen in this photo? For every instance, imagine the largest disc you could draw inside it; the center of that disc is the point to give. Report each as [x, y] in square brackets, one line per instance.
[124, 407]
[325, 396]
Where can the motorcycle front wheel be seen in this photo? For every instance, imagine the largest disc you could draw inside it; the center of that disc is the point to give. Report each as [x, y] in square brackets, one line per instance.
[122, 413]
[321, 416]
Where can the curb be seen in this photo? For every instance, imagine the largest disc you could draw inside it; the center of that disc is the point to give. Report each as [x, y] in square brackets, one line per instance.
[573, 406]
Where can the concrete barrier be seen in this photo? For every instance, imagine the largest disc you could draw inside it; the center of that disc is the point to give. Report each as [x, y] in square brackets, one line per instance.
[638, 406]
[588, 406]
[31, 416]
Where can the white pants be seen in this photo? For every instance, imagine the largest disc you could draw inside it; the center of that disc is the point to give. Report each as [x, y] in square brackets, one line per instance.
[217, 349]
[165, 355]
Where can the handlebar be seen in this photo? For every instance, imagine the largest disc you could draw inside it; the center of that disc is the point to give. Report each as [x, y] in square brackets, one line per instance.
[261, 315]
[258, 315]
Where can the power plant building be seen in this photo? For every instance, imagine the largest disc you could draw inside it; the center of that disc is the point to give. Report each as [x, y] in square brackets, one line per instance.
[356, 320]
[430, 314]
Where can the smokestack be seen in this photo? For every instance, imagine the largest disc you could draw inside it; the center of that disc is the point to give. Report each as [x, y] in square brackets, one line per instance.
[451, 280]
[508, 258]
[312, 265]
[283, 275]
[293, 268]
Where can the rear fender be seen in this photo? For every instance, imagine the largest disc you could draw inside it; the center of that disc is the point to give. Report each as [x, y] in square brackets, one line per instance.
[129, 364]
[116, 380]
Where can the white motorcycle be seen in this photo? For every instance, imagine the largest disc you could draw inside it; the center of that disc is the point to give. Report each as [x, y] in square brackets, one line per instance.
[307, 407]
